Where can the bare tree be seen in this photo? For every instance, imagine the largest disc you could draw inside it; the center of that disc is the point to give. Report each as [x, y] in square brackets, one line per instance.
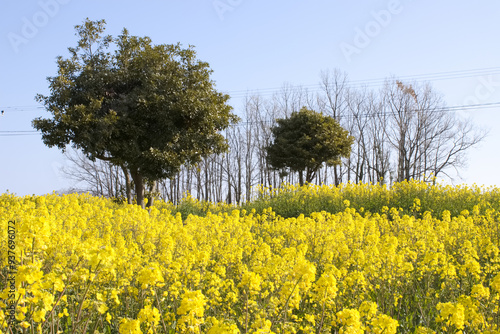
[380, 155]
[359, 112]
[427, 138]
[333, 102]
[99, 178]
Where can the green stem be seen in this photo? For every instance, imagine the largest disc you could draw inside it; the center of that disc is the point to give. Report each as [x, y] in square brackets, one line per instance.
[161, 312]
[62, 293]
[83, 298]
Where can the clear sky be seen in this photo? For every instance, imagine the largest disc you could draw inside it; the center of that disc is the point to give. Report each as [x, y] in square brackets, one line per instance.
[256, 45]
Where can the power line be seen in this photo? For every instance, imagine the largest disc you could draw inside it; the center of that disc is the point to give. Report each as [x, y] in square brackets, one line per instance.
[380, 81]
[16, 131]
[20, 108]
[319, 87]
[436, 76]
[387, 113]
[439, 109]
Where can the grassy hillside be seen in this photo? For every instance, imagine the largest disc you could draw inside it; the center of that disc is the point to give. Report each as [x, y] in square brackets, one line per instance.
[412, 198]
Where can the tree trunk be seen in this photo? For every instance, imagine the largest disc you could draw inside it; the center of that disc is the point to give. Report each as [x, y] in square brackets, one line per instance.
[128, 185]
[139, 187]
[152, 194]
[336, 175]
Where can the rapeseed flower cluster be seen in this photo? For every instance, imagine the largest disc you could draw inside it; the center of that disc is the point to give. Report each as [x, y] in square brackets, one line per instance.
[90, 265]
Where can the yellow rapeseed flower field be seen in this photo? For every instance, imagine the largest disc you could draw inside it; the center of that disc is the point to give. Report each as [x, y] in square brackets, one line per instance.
[414, 258]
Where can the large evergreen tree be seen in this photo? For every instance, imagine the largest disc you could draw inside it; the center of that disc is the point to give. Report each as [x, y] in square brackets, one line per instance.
[306, 140]
[148, 108]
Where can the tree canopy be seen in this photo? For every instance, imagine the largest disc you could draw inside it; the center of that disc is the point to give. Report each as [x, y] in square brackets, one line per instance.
[147, 108]
[306, 140]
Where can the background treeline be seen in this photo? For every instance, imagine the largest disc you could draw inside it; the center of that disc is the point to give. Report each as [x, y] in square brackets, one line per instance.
[402, 131]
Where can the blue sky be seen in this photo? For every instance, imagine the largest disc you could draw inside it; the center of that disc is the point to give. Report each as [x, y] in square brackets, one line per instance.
[255, 45]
